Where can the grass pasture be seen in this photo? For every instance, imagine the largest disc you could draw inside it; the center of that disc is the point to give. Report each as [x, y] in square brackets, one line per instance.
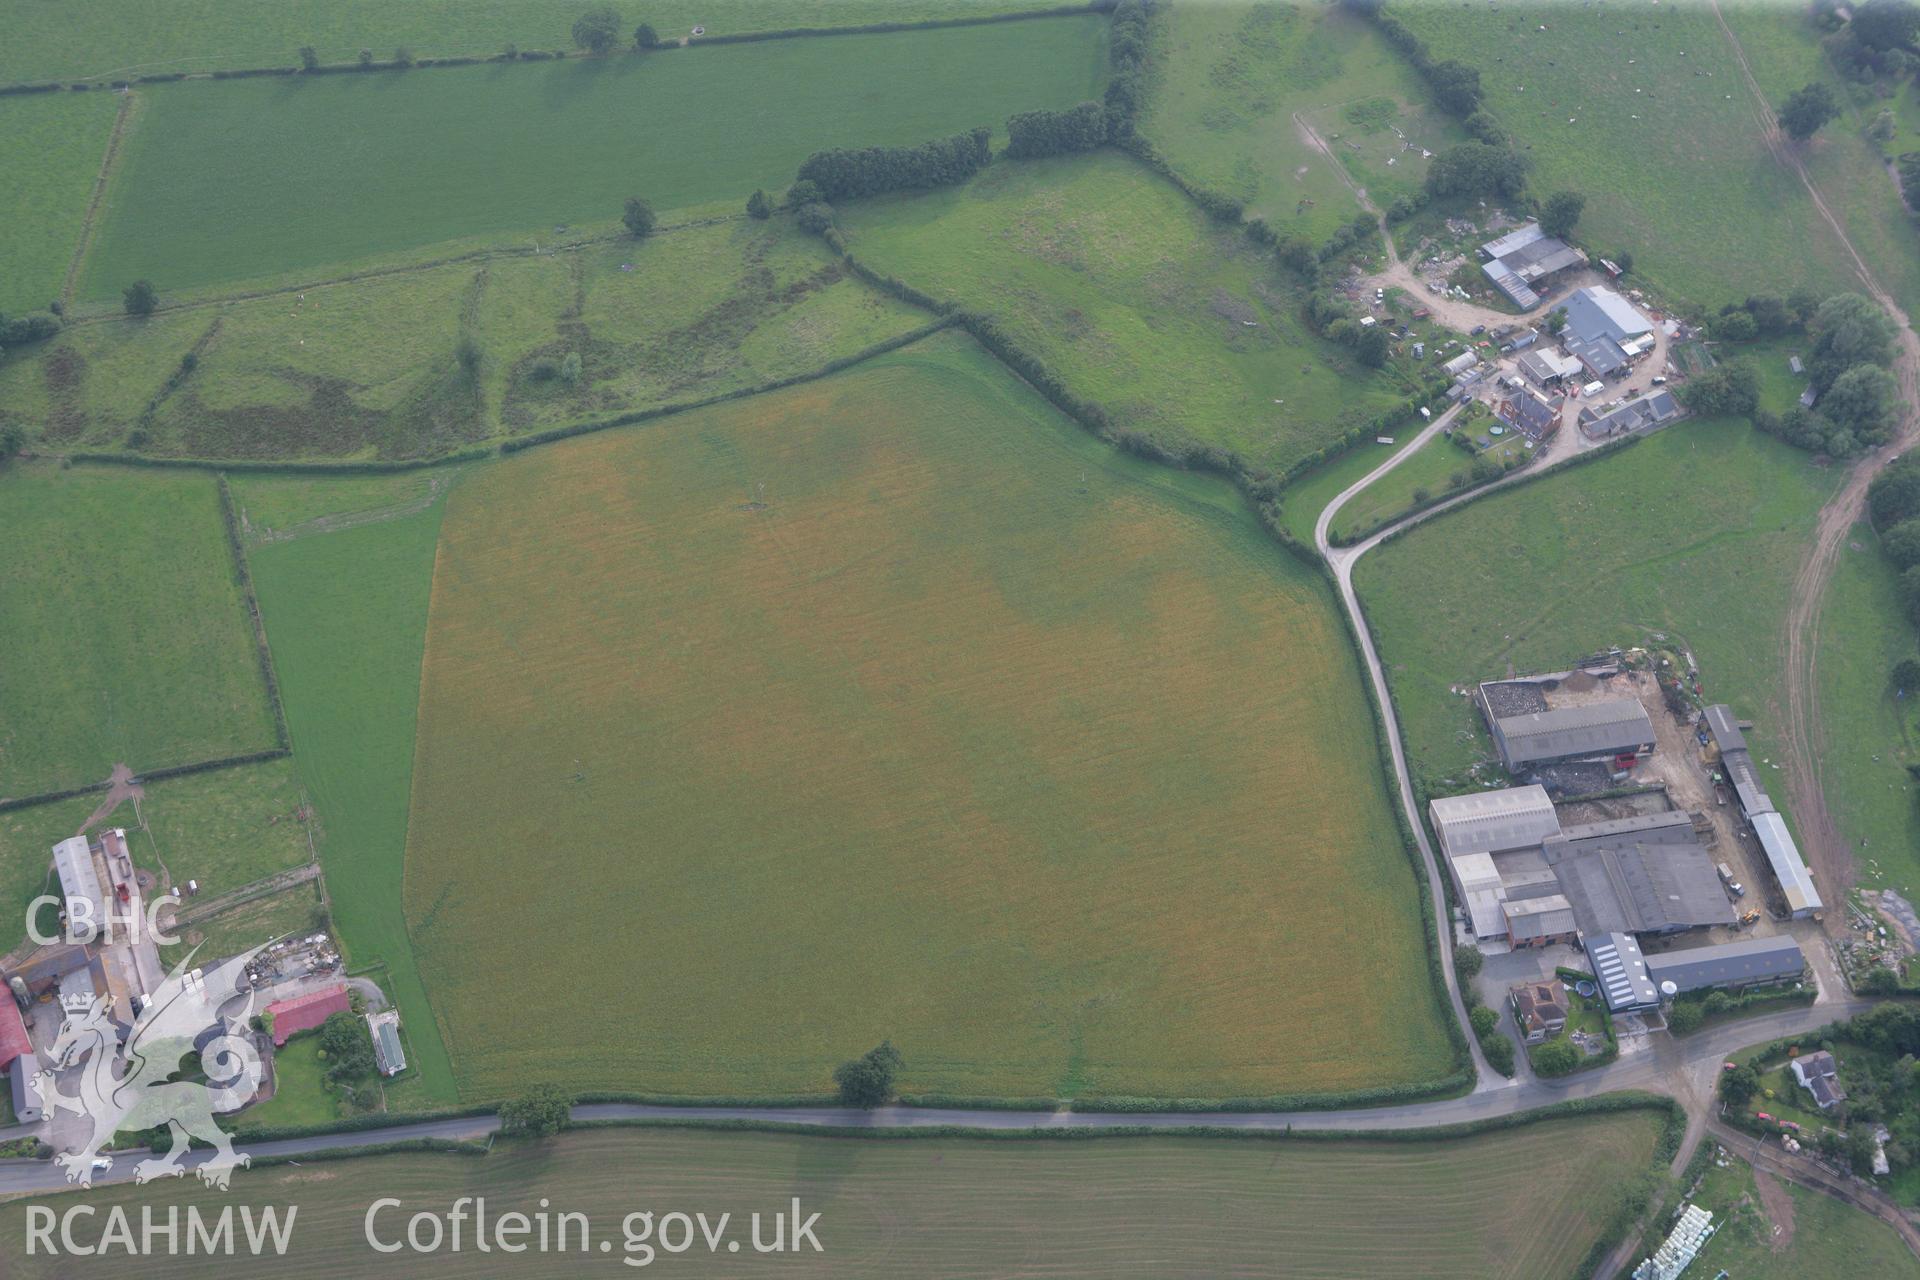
[123, 626]
[51, 146]
[1822, 1239]
[898, 680]
[1694, 532]
[1393, 494]
[1527, 1203]
[204, 193]
[249, 924]
[1105, 270]
[371, 368]
[1235, 74]
[346, 614]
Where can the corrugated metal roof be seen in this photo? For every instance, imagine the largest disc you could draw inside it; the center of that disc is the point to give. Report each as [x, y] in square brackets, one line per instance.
[1796, 882]
[1729, 963]
[1599, 312]
[303, 1013]
[1725, 728]
[1510, 818]
[1543, 917]
[1519, 238]
[1628, 886]
[1621, 972]
[73, 860]
[1597, 728]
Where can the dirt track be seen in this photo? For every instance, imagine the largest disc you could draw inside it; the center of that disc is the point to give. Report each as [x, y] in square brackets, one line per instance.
[1831, 858]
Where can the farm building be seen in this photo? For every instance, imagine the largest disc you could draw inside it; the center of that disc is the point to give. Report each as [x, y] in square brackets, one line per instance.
[1819, 1075]
[1783, 855]
[1528, 414]
[1548, 367]
[25, 1089]
[1520, 339]
[304, 1013]
[79, 880]
[1638, 882]
[1601, 357]
[1641, 414]
[1518, 262]
[1539, 1008]
[1598, 312]
[1537, 915]
[1491, 821]
[1745, 962]
[1622, 972]
[17, 1056]
[1461, 363]
[1617, 728]
[387, 1053]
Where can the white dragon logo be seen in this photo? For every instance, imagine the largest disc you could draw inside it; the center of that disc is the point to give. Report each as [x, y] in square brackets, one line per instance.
[127, 1090]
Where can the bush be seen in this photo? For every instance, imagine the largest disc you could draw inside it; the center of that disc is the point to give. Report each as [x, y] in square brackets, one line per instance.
[638, 218]
[309, 59]
[140, 298]
[1556, 1058]
[1685, 1016]
[1483, 1020]
[816, 217]
[1499, 1051]
[867, 1081]
[570, 368]
[758, 206]
[1468, 960]
[645, 37]
[20, 331]
[1734, 326]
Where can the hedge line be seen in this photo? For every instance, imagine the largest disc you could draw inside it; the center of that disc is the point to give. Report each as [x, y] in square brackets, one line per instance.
[882, 28]
[371, 1122]
[48, 797]
[665, 410]
[211, 766]
[245, 577]
[288, 466]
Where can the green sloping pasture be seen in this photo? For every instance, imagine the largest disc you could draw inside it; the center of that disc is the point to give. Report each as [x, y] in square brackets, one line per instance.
[123, 628]
[1180, 328]
[1645, 112]
[1828, 1240]
[1232, 76]
[895, 705]
[51, 146]
[119, 37]
[222, 181]
[1515, 1205]
[346, 613]
[1694, 532]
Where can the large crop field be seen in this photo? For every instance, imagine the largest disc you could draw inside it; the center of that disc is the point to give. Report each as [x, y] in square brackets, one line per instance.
[1235, 75]
[897, 706]
[1526, 1203]
[51, 146]
[345, 604]
[1694, 533]
[371, 367]
[204, 192]
[1644, 111]
[1180, 328]
[123, 628]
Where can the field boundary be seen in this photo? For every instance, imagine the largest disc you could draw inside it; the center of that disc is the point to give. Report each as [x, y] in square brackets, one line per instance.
[231, 519]
[114, 80]
[161, 774]
[92, 216]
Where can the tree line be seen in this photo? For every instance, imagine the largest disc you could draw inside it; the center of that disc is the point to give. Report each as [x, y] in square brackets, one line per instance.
[841, 173]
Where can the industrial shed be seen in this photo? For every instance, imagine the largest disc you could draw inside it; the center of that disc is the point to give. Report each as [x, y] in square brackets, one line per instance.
[1598, 312]
[1623, 884]
[1489, 821]
[1622, 972]
[1783, 855]
[1596, 730]
[1747, 962]
[1521, 259]
[79, 881]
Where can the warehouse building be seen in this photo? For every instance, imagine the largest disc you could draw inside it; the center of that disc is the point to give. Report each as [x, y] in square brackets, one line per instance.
[1622, 973]
[1548, 367]
[1638, 882]
[1519, 262]
[1746, 962]
[1783, 855]
[1616, 729]
[79, 882]
[1598, 312]
[1472, 828]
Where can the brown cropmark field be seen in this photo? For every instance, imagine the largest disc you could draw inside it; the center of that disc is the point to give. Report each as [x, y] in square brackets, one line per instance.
[894, 706]
[1525, 1204]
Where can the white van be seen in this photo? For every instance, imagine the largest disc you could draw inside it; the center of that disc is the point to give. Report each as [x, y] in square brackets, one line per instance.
[1593, 389]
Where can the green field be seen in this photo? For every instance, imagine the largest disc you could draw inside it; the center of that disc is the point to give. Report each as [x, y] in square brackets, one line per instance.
[204, 193]
[1526, 1203]
[299, 1093]
[1694, 533]
[370, 367]
[223, 829]
[115, 37]
[1234, 74]
[1820, 1239]
[297, 910]
[346, 613]
[1429, 472]
[1180, 328]
[899, 682]
[27, 837]
[51, 146]
[1645, 112]
[123, 627]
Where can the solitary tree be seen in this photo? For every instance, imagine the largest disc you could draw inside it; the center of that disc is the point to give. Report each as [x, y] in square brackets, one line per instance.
[867, 1081]
[309, 58]
[403, 57]
[758, 206]
[365, 57]
[1467, 960]
[1739, 1085]
[645, 37]
[140, 299]
[1805, 110]
[597, 29]
[638, 217]
[1561, 212]
[540, 1112]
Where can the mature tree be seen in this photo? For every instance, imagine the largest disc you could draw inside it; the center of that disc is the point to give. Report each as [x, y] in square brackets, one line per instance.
[1476, 169]
[348, 1046]
[1683, 1017]
[1894, 495]
[1456, 87]
[1886, 24]
[1902, 545]
[1483, 126]
[1499, 1051]
[758, 206]
[1736, 325]
[597, 29]
[140, 298]
[1807, 109]
[309, 58]
[540, 1112]
[1561, 213]
[1372, 346]
[805, 191]
[1739, 1085]
[13, 438]
[1556, 1058]
[1484, 1020]
[867, 1081]
[1771, 313]
[1724, 389]
[638, 217]
[1467, 960]
[645, 37]
[1863, 400]
[1848, 329]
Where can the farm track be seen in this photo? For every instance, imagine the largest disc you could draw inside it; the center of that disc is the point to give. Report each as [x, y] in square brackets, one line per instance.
[1815, 1176]
[1804, 726]
[92, 216]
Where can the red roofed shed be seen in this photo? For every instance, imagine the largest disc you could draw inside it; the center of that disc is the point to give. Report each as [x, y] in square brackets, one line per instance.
[13, 1032]
[304, 1013]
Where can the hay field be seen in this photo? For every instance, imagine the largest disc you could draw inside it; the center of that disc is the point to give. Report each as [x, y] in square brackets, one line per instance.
[371, 367]
[204, 192]
[1181, 328]
[51, 146]
[346, 614]
[1694, 532]
[124, 632]
[1528, 1202]
[1233, 75]
[896, 706]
